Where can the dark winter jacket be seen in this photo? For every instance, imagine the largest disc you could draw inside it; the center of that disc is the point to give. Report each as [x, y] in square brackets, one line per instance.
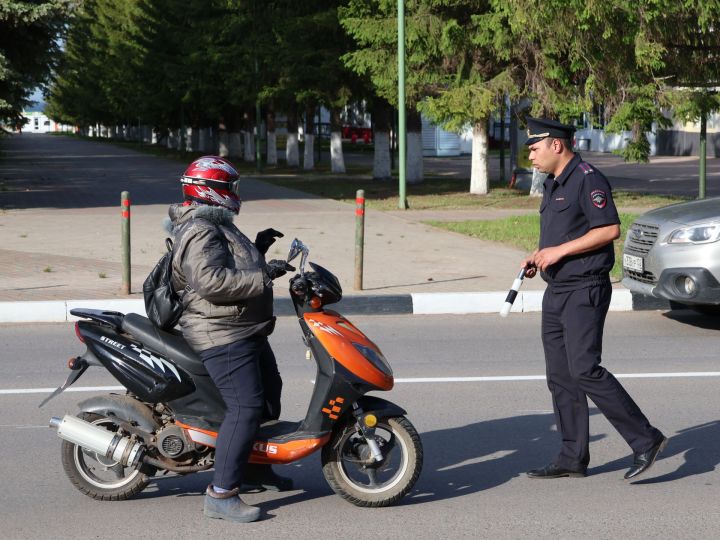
[227, 294]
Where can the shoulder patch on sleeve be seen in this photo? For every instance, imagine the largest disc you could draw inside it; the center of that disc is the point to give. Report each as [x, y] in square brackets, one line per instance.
[598, 198]
[586, 168]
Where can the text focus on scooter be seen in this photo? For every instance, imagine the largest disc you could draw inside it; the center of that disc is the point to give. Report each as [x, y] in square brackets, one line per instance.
[168, 418]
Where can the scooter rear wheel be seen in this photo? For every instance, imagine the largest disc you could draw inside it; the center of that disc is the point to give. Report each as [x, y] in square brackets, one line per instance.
[97, 476]
[351, 473]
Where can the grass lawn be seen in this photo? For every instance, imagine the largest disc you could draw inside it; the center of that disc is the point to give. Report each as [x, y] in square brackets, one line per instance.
[437, 193]
[523, 232]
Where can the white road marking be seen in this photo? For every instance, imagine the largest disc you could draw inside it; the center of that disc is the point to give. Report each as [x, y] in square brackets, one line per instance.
[22, 427]
[542, 377]
[670, 375]
[49, 390]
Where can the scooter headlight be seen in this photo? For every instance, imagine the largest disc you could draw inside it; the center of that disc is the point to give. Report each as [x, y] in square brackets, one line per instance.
[376, 358]
[697, 234]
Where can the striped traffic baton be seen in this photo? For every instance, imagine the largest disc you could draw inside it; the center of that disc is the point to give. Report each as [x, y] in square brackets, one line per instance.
[512, 293]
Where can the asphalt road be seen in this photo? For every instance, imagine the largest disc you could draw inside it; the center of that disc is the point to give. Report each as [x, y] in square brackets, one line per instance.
[479, 438]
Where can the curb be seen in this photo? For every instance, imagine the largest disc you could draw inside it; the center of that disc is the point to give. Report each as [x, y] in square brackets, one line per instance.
[414, 303]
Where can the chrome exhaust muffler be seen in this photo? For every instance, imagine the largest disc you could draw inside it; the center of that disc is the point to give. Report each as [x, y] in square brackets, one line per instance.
[105, 443]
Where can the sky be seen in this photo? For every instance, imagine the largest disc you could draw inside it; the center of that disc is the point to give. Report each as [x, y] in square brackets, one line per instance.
[38, 98]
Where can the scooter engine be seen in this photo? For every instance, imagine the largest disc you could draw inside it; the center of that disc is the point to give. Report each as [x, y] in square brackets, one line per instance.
[171, 442]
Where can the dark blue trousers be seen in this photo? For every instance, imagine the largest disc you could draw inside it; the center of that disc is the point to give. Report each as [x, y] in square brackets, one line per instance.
[572, 333]
[246, 374]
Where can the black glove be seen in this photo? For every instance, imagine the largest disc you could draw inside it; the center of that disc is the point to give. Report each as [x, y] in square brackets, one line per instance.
[276, 268]
[265, 239]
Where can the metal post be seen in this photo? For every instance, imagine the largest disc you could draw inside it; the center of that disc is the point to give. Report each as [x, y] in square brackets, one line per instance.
[402, 201]
[703, 155]
[513, 140]
[359, 237]
[502, 141]
[125, 240]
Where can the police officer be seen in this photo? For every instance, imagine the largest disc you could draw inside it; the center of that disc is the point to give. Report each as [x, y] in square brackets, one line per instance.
[578, 224]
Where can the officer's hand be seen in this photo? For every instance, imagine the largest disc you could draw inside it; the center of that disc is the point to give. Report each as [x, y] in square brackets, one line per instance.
[276, 268]
[548, 256]
[265, 239]
[529, 265]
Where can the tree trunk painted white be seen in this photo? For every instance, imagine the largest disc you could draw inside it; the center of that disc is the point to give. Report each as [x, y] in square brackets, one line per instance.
[309, 156]
[537, 188]
[234, 144]
[223, 144]
[249, 146]
[479, 165]
[414, 165]
[188, 140]
[271, 148]
[154, 138]
[203, 140]
[337, 161]
[381, 156]
[292, 150]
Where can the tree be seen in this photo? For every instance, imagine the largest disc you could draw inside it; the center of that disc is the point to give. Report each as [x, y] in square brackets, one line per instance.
[474, 77]
[29, 46]
[628, 56]
[373, 26]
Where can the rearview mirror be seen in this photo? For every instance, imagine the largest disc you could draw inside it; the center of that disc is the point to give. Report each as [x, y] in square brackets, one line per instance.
[296, 248]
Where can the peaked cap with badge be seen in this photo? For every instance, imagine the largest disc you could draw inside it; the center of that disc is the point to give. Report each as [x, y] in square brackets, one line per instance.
[540, 128]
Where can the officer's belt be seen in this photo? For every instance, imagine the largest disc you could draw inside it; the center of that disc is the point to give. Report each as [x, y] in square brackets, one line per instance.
[580, 282]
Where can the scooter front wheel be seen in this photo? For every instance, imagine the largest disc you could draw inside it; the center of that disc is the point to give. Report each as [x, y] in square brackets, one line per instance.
[353, 474]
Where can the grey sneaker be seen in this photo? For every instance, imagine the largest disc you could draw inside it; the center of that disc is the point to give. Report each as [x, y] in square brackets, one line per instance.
[229, 506]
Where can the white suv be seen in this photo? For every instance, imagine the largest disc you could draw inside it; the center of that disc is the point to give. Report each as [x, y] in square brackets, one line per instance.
[674, 253]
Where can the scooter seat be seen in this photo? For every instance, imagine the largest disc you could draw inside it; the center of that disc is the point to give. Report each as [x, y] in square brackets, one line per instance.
[168, 344]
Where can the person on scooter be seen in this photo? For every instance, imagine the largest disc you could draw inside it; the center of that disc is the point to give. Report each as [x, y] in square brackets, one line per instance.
[226, 289]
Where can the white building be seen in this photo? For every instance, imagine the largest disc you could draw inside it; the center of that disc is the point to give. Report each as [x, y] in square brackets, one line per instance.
[37, 122]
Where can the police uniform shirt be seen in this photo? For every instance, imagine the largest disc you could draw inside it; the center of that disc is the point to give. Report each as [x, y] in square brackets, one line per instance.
[578, 200]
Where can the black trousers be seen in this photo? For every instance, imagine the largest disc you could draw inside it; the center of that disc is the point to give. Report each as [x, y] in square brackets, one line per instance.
[246, 374]
[572, 333]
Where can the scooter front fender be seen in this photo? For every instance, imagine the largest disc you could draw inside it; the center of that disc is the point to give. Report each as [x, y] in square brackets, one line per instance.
[380, 407]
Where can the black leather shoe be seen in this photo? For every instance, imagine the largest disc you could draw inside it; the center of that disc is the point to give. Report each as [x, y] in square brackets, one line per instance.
[554, 471]
[643, 461]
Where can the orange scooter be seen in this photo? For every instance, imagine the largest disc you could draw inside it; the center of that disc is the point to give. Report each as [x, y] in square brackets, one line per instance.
[169, 416]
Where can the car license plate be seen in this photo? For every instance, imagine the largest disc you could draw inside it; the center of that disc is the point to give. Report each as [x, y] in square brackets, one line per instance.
[631, 262]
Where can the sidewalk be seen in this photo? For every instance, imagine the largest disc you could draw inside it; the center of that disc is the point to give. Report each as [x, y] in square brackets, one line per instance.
[60, 236]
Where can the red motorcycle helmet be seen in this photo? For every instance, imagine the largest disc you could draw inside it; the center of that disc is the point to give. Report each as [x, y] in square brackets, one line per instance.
[212, 180]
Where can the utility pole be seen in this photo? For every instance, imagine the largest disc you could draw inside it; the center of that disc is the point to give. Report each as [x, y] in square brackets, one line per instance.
[402, 157]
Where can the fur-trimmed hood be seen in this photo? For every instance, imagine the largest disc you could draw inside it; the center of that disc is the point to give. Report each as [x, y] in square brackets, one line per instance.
[178, 214]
